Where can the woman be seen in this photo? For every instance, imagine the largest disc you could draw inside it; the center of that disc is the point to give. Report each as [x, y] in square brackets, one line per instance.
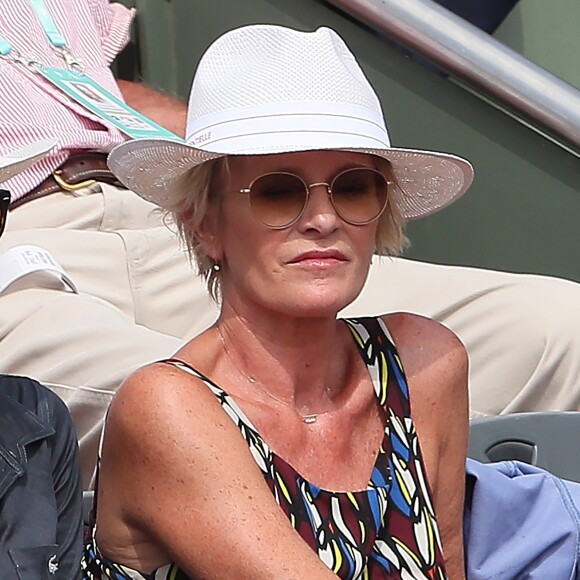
[280, 418]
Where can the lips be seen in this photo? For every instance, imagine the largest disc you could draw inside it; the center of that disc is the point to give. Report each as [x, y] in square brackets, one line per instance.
[320, 256]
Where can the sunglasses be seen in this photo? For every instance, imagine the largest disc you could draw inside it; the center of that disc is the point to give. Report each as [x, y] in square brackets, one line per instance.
[278, 200]
[4, 203]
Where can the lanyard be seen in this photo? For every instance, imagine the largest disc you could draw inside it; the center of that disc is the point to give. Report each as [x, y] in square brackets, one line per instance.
[81, 87]
[52, 32]
[7, 52]
[5, 47]
[56, 39]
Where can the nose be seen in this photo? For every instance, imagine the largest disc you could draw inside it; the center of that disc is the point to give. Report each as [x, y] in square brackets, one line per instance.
[319, 213]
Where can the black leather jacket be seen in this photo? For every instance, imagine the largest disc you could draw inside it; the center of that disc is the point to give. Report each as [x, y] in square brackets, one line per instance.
[40, 484]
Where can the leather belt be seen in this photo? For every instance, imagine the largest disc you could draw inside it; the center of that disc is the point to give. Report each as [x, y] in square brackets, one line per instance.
[78, 171]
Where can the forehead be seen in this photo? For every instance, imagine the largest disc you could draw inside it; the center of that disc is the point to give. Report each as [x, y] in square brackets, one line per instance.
[300, 161]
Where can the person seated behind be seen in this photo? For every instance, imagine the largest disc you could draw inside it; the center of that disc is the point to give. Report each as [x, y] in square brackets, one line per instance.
[40, 481]
[40, 492]
[280, 404]
[106, 239]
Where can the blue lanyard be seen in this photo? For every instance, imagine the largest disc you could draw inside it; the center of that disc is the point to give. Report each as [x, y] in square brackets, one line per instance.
[5, 47]
[52, 32]
[8, 53]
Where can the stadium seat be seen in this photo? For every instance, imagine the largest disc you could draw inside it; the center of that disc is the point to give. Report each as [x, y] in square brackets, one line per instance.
[547, 440]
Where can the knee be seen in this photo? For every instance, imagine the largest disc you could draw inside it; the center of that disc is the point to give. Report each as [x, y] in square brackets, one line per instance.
[548, 311]
[529, 358]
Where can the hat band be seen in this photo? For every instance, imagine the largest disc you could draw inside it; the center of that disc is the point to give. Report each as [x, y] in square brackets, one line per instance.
[278, 129]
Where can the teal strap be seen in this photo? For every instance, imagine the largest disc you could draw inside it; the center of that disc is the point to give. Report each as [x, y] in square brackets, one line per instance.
[52, 32]
[5, 47]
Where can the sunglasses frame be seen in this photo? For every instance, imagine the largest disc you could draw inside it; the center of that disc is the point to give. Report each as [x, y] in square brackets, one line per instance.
[4, 205]
[248, 192]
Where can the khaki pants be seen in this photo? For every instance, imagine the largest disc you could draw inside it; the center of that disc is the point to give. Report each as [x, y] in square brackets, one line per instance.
[138, 300]
[521, 331]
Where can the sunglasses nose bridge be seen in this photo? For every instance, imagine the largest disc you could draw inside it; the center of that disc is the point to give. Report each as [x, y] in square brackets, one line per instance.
[322, 205]
[318, 184]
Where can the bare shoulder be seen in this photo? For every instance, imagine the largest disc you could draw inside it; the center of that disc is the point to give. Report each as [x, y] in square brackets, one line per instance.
[425, 344]
[159, 403]
[155, 390]
[436, 365]
[160, 380]
[406, 324]
[166, 435]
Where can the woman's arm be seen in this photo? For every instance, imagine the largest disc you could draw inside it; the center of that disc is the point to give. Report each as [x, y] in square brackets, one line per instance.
[436, 365]
[178, 483]
[164, 109]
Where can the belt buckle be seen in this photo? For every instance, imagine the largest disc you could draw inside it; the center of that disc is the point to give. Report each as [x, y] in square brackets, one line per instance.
[71, 186]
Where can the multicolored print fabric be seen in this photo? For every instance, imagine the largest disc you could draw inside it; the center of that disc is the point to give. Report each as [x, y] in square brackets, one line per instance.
[387, 531]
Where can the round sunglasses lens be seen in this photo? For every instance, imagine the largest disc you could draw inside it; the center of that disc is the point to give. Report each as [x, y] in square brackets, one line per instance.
[277, 199]
[359, 195]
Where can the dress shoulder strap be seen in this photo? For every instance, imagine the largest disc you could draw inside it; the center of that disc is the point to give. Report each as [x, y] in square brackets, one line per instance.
[184, 367]
[379, 353]
[225, 400]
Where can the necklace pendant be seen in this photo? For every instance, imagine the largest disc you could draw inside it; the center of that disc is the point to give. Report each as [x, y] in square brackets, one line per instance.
[309, 418]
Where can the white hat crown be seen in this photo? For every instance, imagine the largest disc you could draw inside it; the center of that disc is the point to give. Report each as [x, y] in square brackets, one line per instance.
[254, 61]
[257, 82]
[265, 89]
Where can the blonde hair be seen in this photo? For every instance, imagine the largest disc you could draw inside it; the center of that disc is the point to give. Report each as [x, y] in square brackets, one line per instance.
[198, 187]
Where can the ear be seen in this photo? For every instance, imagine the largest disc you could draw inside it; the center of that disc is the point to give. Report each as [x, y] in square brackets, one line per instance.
[207, 236]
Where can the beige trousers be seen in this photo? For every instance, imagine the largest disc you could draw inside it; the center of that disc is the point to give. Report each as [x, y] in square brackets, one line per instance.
[138, 299]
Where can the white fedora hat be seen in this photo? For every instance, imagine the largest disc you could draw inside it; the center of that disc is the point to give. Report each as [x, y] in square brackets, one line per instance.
[20, 160]
[266, 89]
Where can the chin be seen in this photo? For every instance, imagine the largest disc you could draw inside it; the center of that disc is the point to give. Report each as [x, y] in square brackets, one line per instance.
[310, 304]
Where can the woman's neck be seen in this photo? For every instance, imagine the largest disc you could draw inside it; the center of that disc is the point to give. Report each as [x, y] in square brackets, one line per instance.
[303, 363]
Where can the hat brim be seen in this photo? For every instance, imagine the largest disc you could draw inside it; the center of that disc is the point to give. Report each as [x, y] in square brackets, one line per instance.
[16, 162]
[428, 180]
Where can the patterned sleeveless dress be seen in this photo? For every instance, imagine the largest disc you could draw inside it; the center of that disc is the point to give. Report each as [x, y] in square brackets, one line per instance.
[386, 531]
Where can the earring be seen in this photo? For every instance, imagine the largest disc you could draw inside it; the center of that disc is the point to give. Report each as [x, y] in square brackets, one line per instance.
[216, 267]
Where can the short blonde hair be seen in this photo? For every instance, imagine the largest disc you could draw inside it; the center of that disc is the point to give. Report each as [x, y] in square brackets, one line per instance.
[198, 187]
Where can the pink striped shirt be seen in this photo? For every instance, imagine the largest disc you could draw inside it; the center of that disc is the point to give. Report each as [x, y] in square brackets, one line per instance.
[30, 107]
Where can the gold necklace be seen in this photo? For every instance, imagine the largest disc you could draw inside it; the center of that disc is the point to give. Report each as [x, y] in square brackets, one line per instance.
[307, 418]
